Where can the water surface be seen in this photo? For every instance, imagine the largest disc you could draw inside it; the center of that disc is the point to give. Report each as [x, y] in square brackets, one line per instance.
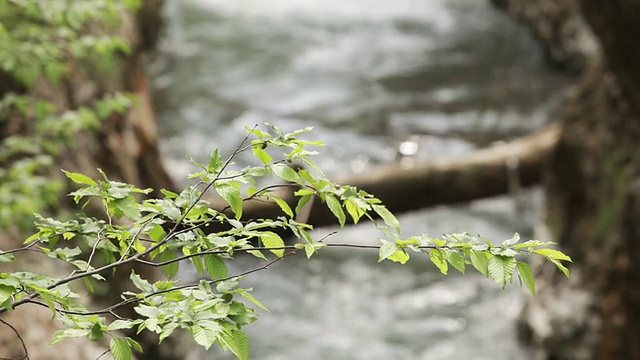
[380, 81]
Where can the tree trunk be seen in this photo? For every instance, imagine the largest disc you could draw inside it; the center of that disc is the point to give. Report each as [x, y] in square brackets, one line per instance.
[593, 201]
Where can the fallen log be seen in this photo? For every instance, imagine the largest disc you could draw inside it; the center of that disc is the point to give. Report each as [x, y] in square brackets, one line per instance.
[485, 173]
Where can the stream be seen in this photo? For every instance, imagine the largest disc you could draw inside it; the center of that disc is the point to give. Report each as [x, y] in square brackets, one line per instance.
[380, 81]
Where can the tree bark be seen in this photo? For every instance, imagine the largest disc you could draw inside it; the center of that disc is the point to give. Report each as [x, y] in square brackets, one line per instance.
[593, 202]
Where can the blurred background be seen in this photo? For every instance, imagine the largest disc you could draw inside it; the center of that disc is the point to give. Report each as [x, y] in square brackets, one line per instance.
[381, 82]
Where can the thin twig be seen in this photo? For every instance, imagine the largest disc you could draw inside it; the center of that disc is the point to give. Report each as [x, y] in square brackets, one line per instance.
[33, 243]
[103, 354]
[24, 346]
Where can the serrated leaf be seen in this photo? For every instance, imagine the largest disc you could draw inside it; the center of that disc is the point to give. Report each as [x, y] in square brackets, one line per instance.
[552, 254]
[140, 283]
[204, 336]
[197, 263]
[512, 241]
[560, 267]
[272, 240]
[6, 292]
[133, 344]
[259, 152]
[354, 210]
[170, 269]
[387, 216]
[157, 233]
[336, 208]
[48, 299]
[302, 202]
[399, 256]
[437, 258]
[456, 260]
[215, 161]
[120, 349]
[286, 173]
[387, 249]
[533, 243]
[501, 269]
[80, 178]
[62, 334]
[247, 295]
[167, 330]
[122, 324]
[283, 205]
[480, 261]
[128, 207]
[96, 333]
[526, 275]
[237, 342]
[309, 250]
[232, 195]
[216, 268]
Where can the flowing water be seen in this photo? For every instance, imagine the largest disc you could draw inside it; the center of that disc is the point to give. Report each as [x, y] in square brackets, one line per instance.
[380, 81]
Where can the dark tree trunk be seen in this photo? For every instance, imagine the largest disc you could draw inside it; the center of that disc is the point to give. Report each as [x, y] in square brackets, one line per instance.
[593, 201]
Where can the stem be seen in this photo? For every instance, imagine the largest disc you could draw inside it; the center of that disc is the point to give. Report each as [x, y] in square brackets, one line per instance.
[24, 346]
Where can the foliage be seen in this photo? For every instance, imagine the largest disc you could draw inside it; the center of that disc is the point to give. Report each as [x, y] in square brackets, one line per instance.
[44, 41]
[183, 227]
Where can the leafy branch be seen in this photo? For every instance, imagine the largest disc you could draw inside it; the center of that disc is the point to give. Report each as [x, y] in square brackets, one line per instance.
[178, 229]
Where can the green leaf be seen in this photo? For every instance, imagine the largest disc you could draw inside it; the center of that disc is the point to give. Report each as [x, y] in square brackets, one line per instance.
[62, 334]
[128, 207]
[501, 269]
[526, 275]
[336, 208]
[387, 249]
[88, 284]
[232, 195]
[215, 266]
[6, 292]
[456, 260]
[302, 202]
[167, 330]
[247, 295]
[237, 342]
[480, 261]
[437, 258]
[133, 344]
[533, 243]
[97, 332]
[120, 349]
[387, 216]
[512, 241]
[123, 324]
[259, 152]
[140, 283]
[354, 210]
[399, 256]
[560, 267]
[170, 269]
[7, 258]
[283, 205]
[49, 300]
[204, 336]
[270, 239]
[552, 254]
[215, 162]
[80, 178]
[286, 173]
[309, 249]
